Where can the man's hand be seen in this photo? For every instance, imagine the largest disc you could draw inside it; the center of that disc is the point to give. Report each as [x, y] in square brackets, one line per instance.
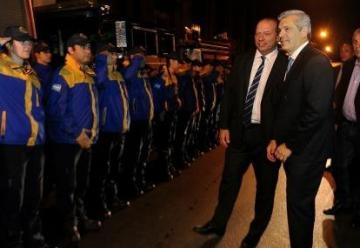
[3, 40]
[282, 152]
[84, 141]
[270, 150]
[224, 137]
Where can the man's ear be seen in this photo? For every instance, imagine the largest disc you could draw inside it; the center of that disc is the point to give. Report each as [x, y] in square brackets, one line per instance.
[70, 50]
[9, 44]
[304, 31]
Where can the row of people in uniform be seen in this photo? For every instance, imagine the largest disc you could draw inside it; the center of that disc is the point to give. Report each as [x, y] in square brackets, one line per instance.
[94, 124]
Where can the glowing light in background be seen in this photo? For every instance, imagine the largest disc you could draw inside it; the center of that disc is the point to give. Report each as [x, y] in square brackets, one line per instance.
[323, 34]
[328, 49]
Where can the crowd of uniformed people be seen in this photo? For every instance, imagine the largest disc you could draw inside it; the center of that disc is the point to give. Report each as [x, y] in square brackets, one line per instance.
[93, 133]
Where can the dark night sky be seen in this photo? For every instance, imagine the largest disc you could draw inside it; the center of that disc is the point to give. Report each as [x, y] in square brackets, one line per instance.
[238, 17]
[339, 17]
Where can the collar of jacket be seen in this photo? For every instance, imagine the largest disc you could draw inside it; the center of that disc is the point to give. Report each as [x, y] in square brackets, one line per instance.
[114, 74]
[9, 68]
[75, 66]
[74, 73]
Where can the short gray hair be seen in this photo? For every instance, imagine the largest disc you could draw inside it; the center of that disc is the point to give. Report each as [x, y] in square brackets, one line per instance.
[303, 19]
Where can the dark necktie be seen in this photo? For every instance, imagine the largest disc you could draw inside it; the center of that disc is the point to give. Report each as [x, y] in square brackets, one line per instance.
[250, 97]
[290, 62]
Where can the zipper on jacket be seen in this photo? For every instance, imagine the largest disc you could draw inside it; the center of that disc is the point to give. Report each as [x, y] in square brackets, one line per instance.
[3, 124]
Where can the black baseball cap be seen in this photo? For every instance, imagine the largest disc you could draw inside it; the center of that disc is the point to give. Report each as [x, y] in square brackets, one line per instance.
[18, 33]
[174, 56]
[41, 47]
[209, 62]
[102, 46]
[78, 39]
[136, 50]
[197, 63]
[186, 60]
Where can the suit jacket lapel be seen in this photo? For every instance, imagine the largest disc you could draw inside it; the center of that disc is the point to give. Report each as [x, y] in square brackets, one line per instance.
[248, 72]
[276, 70]
[297, 65]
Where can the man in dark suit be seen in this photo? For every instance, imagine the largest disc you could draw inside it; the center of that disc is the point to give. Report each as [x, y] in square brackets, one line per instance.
[303, 127]
[246, 122]
[347, 105]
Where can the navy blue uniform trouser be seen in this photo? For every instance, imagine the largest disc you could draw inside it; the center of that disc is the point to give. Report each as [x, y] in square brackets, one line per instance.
[21, 179]
[105, 169]
[72, 166]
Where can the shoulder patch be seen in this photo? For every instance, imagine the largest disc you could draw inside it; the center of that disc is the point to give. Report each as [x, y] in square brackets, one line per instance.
[56, 87]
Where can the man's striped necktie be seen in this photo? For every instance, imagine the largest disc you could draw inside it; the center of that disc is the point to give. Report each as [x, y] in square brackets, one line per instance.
[250, 97]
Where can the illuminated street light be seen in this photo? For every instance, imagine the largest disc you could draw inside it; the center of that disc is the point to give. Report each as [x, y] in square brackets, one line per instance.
[328, 49]
[323, 34]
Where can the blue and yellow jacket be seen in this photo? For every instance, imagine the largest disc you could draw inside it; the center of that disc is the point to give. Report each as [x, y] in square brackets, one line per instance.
[158, 90]
[164, 93]
[210, 90]
[72, 105]
[21, 111]
[188, 93]
[45, 74]
[139, 89]
[171, 97]
[113, 97]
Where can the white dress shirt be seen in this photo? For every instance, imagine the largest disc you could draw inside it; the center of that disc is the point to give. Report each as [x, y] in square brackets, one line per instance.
[268, 64]
[349, 101]
[296, 53]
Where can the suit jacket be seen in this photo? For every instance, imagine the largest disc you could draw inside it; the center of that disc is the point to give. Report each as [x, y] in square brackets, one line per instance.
[304, 120]
[341, 90]
[236, 88]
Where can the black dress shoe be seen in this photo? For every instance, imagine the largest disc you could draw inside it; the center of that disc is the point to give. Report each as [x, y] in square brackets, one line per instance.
[36, 240]
[250, 240]
[147, 187]
[119, 204]
[101, 214]
[90, 225]
[133, 190]
[209, 228]
[72, 235]
[106, 214]
[338, 208]
[175, 172]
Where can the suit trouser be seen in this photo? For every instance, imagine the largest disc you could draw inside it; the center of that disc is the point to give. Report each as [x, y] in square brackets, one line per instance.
[72, 165]
[237, 161]
[347, 146]
[303, 181]
[21, 179]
